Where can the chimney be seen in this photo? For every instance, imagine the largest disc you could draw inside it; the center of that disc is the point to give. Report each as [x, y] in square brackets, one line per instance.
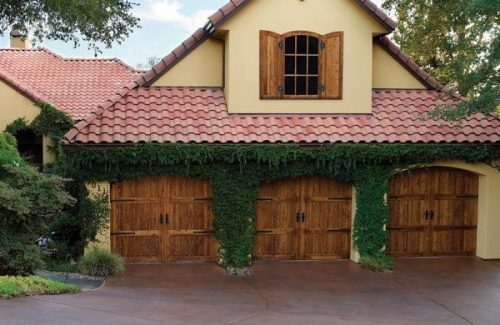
[18, 40]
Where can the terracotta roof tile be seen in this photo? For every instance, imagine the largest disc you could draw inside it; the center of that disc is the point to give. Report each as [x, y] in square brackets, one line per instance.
[199, 115]
[378, 14]
[76, 86]
[182, 106]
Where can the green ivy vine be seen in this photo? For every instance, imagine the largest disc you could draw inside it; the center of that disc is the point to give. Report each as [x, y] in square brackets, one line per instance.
[235, 172]
[50, 122]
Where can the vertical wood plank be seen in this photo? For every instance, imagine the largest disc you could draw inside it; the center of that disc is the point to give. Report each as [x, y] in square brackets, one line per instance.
[449, 199]
[277, 234]
[331, 65]
[190, 226]
[328, 217]
[272, 65]
[135, 224]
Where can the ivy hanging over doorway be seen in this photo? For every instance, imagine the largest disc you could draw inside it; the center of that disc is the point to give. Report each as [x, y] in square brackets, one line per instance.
[236, 171]
[50, 122]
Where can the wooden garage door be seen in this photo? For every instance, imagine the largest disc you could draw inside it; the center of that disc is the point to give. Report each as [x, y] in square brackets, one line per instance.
[303, 218]
[162, 219]
[433, 213]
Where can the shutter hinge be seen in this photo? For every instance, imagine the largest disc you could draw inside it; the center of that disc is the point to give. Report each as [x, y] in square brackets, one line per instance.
[322, 88]
[280, 44]
[323, 45]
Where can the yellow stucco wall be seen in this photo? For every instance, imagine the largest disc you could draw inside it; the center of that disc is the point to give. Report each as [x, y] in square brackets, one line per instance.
[488, 231]
[103, 239]
[201, 68]
[14, 105]
[388, 73]
[320, 16]
[49, 155]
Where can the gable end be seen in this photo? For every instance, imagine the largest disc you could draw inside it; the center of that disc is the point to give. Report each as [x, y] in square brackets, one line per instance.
[419, 73]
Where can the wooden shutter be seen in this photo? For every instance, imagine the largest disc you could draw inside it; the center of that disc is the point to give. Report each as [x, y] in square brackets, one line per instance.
[271, 65]
[331, 65]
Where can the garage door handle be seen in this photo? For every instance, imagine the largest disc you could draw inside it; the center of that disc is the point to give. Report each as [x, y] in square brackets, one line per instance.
[164, 219]
[298, 217]
[303, 217]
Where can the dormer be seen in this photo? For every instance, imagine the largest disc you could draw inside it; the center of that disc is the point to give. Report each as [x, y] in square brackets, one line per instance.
[292, 56]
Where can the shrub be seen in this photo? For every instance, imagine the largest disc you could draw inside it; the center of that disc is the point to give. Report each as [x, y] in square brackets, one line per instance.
[17, 126]
[18, 254]
[53, 265]
[101, 262]
[29, 200]
[18, 286]
[8, 150]
[79, 225]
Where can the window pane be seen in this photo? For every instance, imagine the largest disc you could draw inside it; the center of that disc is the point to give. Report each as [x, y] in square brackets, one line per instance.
[290, 45]
[301, 65]
[302, 44]
[313, 65]
[313, 86]
[301, 86]
[290, 64]
[313, 45]
[289, 85]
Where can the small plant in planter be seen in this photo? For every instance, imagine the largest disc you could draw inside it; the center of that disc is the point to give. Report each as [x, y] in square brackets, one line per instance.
[101, 262]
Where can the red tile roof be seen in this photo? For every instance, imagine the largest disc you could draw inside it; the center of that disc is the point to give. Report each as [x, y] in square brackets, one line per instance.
[198, 115]
[76, 86]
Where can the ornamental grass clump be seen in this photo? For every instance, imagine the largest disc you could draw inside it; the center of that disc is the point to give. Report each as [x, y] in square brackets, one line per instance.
[101, 262]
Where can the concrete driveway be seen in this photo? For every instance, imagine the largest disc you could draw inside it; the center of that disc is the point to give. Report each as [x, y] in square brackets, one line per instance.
[420, 291]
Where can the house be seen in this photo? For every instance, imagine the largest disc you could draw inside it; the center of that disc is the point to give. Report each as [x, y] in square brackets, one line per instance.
[260, 135]
[74, 86]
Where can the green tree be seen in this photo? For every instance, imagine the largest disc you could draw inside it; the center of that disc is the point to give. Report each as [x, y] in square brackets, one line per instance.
[94, 21]
[29, 200]
[458, 42]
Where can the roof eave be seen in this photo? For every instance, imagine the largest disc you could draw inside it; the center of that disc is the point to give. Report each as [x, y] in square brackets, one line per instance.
[373, 10]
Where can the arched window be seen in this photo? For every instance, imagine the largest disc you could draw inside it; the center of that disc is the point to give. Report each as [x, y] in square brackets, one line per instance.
[301, 65]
